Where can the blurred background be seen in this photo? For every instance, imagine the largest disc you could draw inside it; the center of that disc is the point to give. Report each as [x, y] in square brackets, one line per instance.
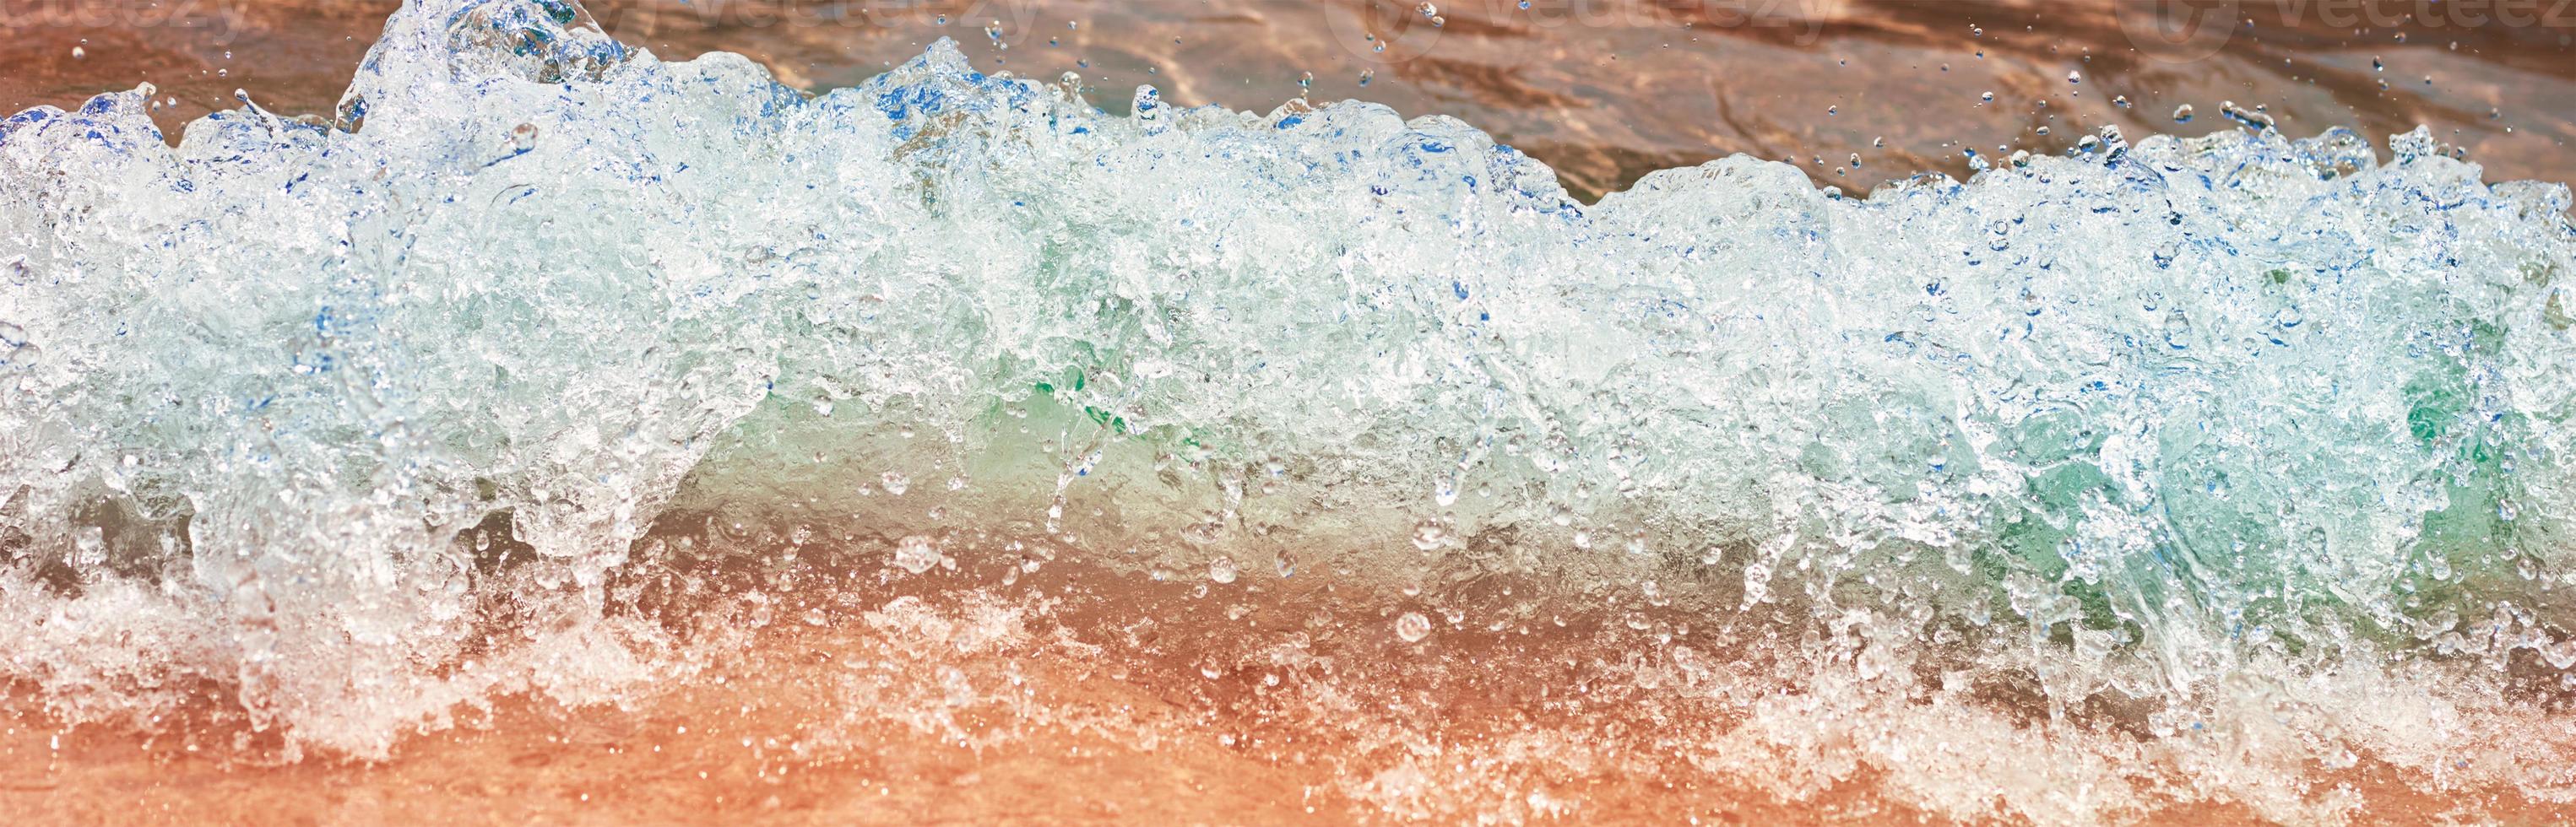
[1856, 92]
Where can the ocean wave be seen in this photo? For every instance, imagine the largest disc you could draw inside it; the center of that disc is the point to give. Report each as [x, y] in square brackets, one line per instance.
[2254, 449]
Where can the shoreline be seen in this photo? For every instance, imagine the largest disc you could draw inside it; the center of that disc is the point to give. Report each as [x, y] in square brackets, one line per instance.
[916, 716]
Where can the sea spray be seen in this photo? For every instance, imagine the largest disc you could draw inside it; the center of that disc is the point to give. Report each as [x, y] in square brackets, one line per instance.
[2236, 456]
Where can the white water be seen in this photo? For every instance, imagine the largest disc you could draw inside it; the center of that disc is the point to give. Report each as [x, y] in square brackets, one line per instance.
[2266, 439]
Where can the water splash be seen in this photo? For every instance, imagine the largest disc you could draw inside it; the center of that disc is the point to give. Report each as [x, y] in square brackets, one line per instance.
[366, 420]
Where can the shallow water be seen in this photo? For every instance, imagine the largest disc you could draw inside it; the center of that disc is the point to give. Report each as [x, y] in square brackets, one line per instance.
[549, 392]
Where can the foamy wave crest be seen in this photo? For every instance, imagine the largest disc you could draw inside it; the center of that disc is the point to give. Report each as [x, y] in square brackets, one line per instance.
[2226, 458]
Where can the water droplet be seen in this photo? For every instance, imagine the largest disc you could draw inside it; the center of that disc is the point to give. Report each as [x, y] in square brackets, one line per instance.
[2074, 77]
[1148, 104]
[89, 546]
[1988, 97]
[2121, 101]
[1429, 535]
[2177, 330]
[1222, 570]
[1412, 627]
[915, 554]
[894, 483]
[2182, 114]
[78, 53]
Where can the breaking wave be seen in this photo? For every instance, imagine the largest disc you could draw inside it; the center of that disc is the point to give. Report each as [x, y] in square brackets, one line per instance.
[2191, 468]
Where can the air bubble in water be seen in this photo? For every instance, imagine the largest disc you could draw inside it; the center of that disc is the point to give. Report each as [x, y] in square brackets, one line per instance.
[1222, 570]
[915, 554]
[1412, 627]
[2182, 114]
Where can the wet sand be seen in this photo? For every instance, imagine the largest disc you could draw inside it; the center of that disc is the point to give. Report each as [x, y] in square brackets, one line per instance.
[965, 708]
[730, 749]
[768, 737]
